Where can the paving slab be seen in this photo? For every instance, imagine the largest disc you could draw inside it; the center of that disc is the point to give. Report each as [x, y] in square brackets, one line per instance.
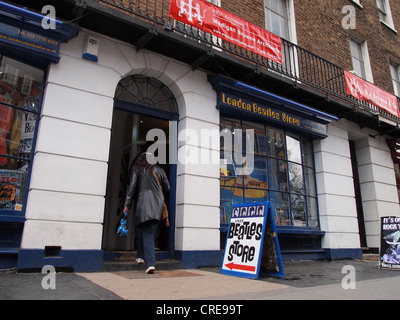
[185, 284]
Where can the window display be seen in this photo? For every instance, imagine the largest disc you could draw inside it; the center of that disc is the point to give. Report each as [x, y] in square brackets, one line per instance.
[20, 92]
[283, 174]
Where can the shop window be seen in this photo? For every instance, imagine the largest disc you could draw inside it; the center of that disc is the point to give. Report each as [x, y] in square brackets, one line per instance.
[20, 93]
[283, 174]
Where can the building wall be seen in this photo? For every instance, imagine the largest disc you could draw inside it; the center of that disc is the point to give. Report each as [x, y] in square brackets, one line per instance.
[378, 185]
[319, 29]
[337, 206]
[69, 177]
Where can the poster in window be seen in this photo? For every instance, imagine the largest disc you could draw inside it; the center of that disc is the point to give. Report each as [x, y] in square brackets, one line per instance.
[390, 243]
[11, 183]
[27, 132]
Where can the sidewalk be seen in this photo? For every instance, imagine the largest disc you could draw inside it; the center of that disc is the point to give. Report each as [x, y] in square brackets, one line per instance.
[303, 280]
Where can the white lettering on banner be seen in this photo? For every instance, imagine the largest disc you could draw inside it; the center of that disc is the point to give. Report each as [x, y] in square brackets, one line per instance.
[367, 91]
[187, 8]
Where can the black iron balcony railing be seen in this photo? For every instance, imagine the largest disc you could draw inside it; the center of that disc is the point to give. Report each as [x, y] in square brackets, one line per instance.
[298, 64]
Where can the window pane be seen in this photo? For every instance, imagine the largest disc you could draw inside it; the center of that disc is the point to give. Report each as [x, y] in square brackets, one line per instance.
[254, 195]
[381, 5]
[259, 136]
[285, 29]
[229, 196]
[268, 20]
[258, 177]
[293, 149]
[357, 58]
[274, 5]
[358, 66]
[17, 129]
[280, 207]
[277, 170]
[296, 178]
[307, 147]
[227, 128]
[20, 84]
[312, 212]
[276, 143]
[356, 50]
[283, 9]
[228, 174]
[298, 210]
[276, 24]
[310, 182]
[394, 71]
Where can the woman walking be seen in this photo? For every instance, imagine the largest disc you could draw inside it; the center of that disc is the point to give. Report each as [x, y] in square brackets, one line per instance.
[147, 198]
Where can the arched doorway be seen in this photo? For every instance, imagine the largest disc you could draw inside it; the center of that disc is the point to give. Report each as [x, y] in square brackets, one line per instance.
[140, 104]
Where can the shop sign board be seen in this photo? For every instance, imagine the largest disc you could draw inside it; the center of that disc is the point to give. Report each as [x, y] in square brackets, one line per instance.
[207, 17]
[369, 92]
[236, 103]
[18, 37]
[248, 249]
[389, 254]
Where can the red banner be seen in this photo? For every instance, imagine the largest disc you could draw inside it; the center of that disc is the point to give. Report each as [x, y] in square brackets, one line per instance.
[222, 24]
[366, 91]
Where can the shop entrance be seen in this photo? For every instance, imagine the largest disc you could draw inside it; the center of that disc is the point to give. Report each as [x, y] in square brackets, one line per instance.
[128, 141]
[137, 110]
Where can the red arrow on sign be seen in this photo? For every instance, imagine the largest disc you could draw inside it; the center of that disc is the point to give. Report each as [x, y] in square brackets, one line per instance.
[240, 267]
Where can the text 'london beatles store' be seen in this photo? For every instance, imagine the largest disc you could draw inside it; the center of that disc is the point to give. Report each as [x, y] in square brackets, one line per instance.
[77, 103]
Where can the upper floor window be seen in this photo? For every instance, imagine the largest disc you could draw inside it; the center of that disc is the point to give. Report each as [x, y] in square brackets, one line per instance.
[277, 18]
[395, 72]
[385, 14]
[360, 59]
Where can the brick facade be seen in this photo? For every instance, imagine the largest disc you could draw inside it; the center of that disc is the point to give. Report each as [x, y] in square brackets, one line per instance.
[319, 30]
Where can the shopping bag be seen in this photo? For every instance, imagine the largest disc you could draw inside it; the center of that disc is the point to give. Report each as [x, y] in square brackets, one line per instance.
[123, 228]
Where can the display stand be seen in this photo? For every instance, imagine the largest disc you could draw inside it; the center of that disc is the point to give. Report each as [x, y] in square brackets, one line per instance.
[252, 246]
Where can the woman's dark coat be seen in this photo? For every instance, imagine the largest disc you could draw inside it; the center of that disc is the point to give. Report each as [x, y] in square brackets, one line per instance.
[145, 195]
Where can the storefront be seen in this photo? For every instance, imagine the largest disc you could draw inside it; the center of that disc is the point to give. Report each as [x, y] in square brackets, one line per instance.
[26, 49]
[64, 172]
[282, 170]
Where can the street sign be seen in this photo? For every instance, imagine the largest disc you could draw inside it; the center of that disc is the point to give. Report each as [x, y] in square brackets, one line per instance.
[249, 248]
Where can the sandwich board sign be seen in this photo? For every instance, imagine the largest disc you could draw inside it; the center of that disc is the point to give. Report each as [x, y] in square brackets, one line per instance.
[252, 245]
